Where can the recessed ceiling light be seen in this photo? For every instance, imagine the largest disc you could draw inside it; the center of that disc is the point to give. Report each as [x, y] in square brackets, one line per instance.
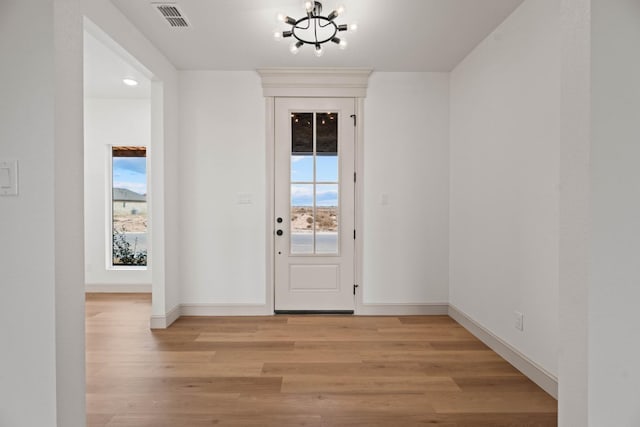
[130, 81]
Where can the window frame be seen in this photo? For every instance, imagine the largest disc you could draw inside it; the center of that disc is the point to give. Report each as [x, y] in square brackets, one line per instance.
[109, 211]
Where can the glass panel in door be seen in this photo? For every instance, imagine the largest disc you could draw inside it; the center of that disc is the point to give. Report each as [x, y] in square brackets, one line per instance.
[314, 184]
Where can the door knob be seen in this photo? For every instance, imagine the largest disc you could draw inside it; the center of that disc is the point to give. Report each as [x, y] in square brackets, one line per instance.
[279, 232]
[279, 220]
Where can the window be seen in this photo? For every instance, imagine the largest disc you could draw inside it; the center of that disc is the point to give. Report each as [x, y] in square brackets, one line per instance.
[129, 206]
[314, 184]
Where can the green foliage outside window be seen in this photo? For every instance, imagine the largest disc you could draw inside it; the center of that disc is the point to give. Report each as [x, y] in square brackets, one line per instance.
[124, 253]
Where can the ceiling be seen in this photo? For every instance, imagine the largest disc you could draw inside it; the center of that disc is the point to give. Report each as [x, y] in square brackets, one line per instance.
[393, 35]
[105, 65]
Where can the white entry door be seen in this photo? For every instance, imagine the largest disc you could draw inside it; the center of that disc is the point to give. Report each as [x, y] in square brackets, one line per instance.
[314, 204]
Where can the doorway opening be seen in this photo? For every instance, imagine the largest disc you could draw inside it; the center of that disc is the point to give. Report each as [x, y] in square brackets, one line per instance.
[117, 142]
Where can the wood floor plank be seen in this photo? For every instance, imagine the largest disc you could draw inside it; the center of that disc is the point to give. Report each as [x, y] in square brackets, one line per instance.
[360, 346]
[342, 369]
[497, 401]
[313, 371]
[237, 345]
[429, 356]
[288, 356]
[171, 370]
[427, 320]
[462, 345]
[185, 385]
[140, 356]
[489, 384]
[449, 420]
[188, 420]
[386, 385]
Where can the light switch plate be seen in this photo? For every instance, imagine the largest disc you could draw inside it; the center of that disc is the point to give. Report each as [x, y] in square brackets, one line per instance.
[8, 177]
[244, 198]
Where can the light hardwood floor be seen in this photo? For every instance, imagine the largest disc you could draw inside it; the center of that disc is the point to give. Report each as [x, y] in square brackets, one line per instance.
[297, 371]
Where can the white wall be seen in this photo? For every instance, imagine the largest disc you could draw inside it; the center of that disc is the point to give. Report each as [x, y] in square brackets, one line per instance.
[222, 119]
[505, 136]
[614, 290]
[406, 152]
[222, 154]
[41, 255]
[109, 122]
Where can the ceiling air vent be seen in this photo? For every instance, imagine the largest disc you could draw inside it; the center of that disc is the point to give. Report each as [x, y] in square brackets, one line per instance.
[172, 14]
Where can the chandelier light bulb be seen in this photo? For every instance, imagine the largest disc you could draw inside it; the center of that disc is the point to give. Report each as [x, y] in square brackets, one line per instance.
[319, 51]
[333, 15]
[343, 44]
[286, 19]
[309, 5]
[277, 35]
[295, 47]
[353, 27]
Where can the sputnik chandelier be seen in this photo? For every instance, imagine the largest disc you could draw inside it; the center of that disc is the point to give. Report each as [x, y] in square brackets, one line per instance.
[314, 29]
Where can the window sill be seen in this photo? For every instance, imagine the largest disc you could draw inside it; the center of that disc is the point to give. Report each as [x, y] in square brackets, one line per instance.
[127, 268]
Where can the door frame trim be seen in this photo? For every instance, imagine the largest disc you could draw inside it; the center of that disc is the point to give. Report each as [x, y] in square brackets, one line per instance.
[311, 83]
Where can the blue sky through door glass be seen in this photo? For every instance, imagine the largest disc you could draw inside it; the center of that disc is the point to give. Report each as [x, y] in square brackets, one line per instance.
[327, 168]
[302, 168]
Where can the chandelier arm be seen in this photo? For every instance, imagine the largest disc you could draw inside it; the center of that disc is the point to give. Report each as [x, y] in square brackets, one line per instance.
[328, 39]
[306, 18]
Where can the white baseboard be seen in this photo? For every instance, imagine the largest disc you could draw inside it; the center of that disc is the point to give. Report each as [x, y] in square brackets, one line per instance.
[547, 381]
[118, 289]
[203, 309]
[163, 322]
[427, 309]
[210, 310]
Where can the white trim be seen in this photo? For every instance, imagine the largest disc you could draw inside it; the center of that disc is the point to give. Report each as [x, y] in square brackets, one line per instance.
[204, 309]
[270, 109]
[163, 322]
[536, 373]
[208, 310]
[426, 309]
[141, 288]
[359, 207]
[315, 82]
[108, 206]
[312, 82]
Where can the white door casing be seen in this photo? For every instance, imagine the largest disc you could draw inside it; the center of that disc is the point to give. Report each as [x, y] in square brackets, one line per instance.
[314, 197]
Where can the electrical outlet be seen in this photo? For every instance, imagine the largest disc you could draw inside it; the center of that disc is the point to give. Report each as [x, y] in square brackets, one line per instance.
[519, 320]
